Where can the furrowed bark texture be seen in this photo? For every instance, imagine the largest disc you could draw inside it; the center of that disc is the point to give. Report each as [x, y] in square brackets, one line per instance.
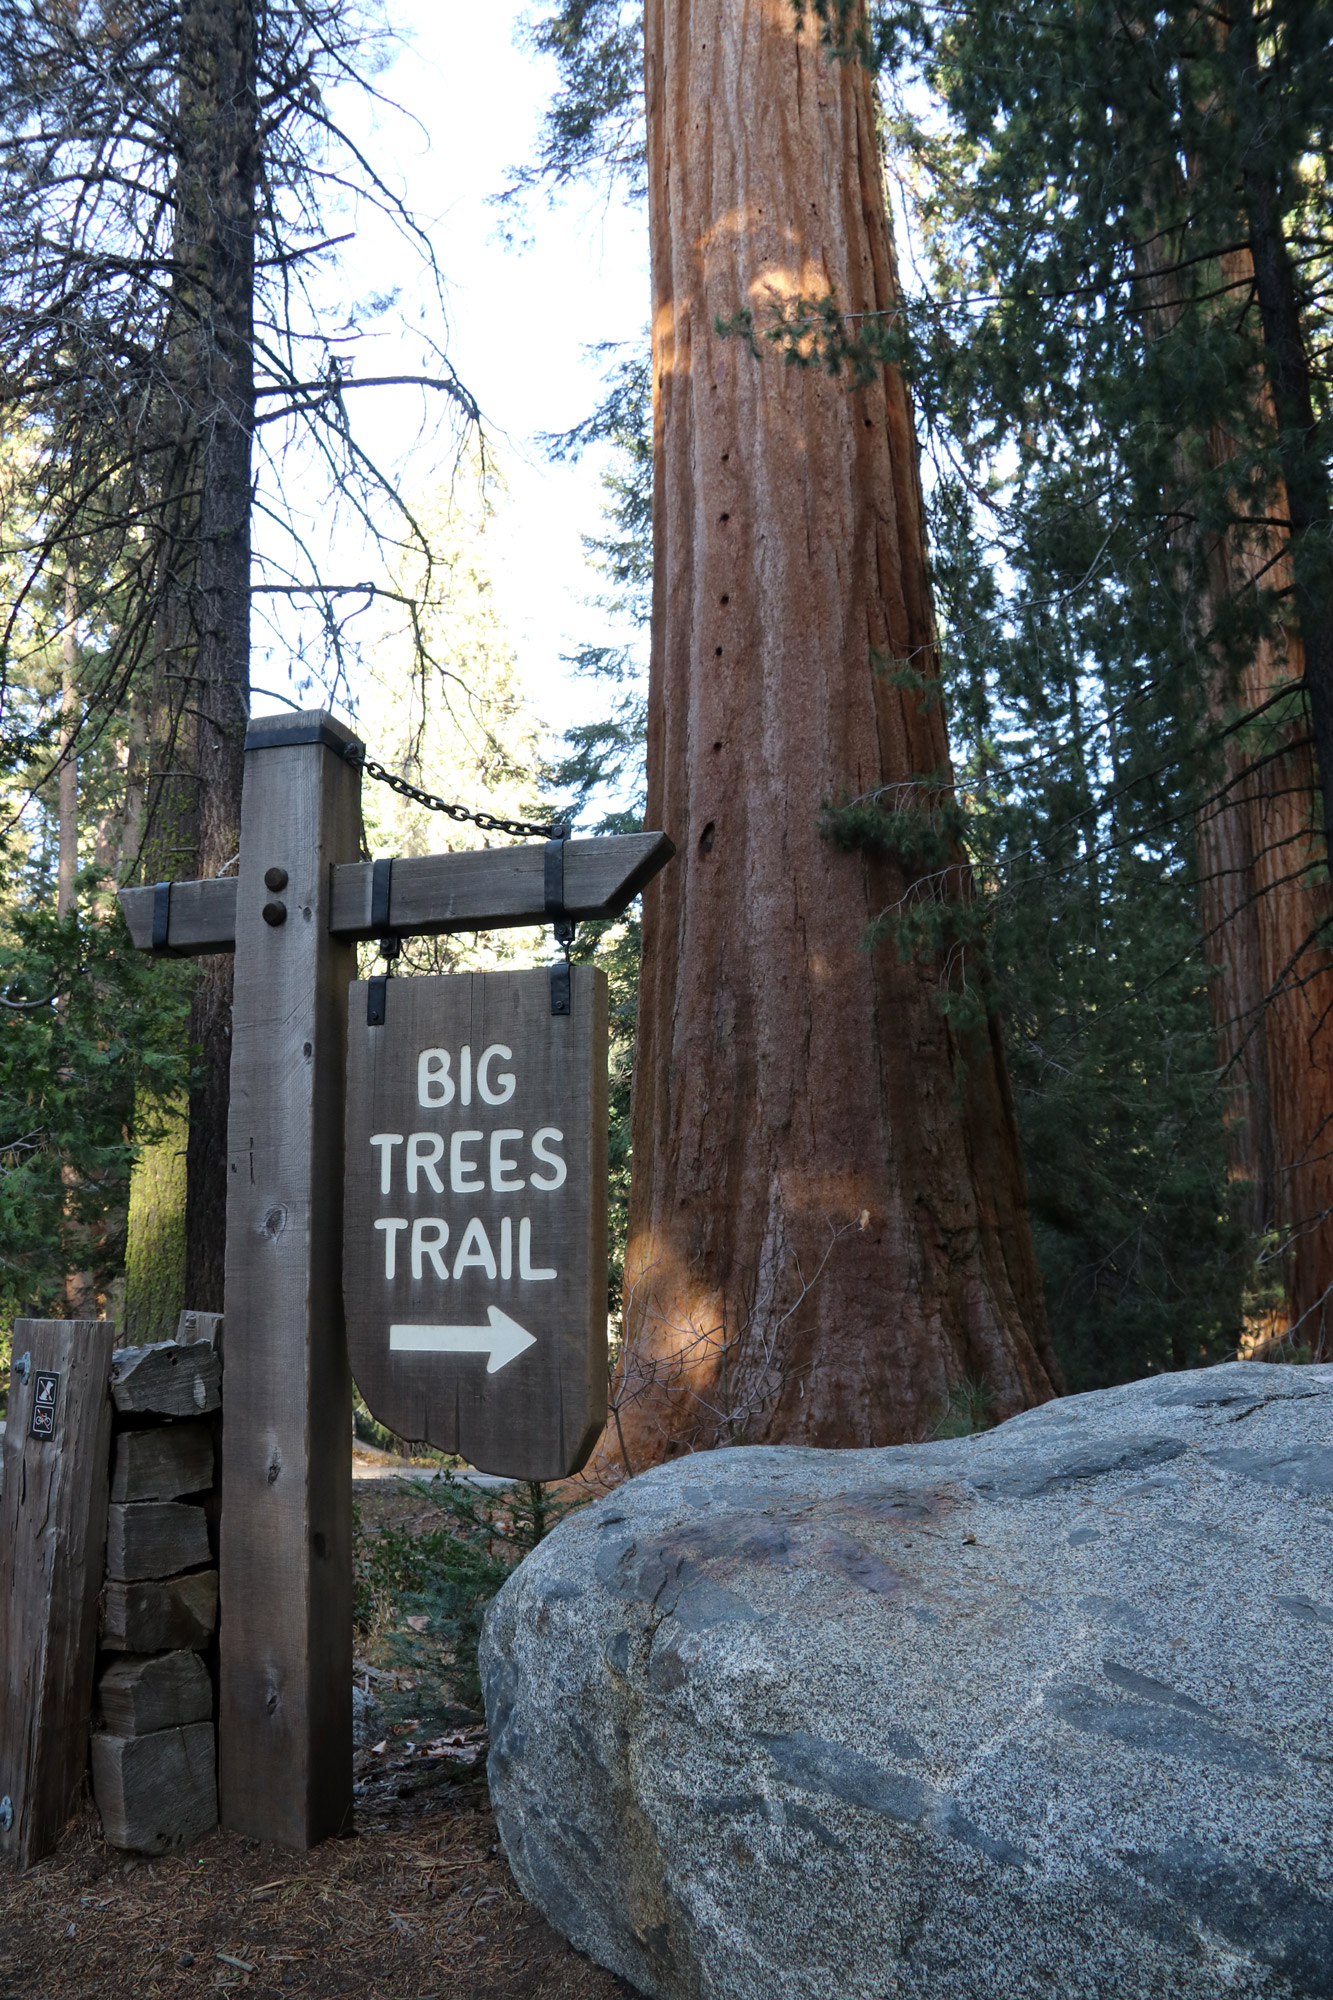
[219, 119]
[828, 1221]
[1266, 911]
[1263, 892]
[1301, 1062]
[1305, 472]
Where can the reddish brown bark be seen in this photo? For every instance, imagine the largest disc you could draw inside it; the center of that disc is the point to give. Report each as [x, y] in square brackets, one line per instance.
[828, 1221]
[1264, 895]
[1264, 898]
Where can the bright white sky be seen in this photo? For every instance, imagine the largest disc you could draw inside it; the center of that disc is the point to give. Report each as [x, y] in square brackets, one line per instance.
[521, 318]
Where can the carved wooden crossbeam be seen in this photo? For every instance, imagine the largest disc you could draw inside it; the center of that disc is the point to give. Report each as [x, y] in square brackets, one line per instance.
[486, 889]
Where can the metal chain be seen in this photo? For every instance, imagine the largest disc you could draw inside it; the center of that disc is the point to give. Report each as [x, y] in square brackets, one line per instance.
[488, 822]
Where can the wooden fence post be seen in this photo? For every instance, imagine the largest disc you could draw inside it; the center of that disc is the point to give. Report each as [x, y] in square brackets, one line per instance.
[285, 1635]
[52, 1537]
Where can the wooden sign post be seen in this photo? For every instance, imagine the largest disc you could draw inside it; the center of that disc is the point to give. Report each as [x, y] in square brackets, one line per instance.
[474, 1249]
[52, 1536]
[293, 912]
[285, 1538]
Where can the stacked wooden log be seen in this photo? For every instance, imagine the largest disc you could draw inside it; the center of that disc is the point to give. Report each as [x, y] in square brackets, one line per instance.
[154, 1748]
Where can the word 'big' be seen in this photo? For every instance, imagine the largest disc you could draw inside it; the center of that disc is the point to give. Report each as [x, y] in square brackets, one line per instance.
[435, 1077]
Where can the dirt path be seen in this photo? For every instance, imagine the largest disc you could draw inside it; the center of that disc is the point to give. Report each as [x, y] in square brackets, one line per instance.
[418, 1905]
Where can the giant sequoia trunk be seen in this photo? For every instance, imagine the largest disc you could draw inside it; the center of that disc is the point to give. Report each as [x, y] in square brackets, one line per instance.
[1266, 916]
[1299, 965]
[1264, 895]
[828, 1223]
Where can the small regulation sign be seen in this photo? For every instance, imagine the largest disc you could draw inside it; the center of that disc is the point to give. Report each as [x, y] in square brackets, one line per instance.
[45, 1400]
[475, 1252]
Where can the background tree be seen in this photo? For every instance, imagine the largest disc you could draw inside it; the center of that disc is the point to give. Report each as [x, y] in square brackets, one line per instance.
[203, 663]
[1076, 742]
[170, 180]
[1127, 265]
[92, 1046]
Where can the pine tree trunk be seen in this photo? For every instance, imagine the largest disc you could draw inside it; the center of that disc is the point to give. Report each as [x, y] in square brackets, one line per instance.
[80, 1291]
[155, 1248]
[190, 807]
[67, 810]
[219, 168]
[160, 842]
[828, 1224]
[129, 836]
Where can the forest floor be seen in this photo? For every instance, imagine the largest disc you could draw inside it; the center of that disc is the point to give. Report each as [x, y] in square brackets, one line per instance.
[416, 1904]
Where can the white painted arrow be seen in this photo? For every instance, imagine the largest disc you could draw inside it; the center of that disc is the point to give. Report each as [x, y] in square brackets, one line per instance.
[504, 1340]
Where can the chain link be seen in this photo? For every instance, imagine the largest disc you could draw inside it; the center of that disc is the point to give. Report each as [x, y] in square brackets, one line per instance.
[488, 822]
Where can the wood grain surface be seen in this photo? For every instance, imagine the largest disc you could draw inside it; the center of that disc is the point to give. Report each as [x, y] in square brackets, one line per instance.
[156, 1792]
[285, 1701]
[162, 1462]
[137, 1695]
[160, 1617]
[52, 1534]
[154, 1538]
[202, 916]
[431, 893]
[166, 1380]
[487, 1248]
[498, 886]
[194, 1326]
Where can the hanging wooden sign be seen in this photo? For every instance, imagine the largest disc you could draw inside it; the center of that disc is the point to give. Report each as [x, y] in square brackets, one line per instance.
[475, 1226]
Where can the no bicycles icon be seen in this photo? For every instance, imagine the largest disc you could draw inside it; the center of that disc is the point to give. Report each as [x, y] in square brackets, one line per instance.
[45, 1396]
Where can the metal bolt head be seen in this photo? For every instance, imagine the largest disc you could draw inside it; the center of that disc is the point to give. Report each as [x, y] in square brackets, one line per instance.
[275, 914]
[275, 879]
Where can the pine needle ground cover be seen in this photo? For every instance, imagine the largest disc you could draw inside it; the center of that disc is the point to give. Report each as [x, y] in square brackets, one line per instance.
[417, 1903]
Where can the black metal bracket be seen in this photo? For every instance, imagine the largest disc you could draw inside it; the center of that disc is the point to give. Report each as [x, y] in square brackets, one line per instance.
[377, 988]
[162, 922]
[562, 925]
[381, 882]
